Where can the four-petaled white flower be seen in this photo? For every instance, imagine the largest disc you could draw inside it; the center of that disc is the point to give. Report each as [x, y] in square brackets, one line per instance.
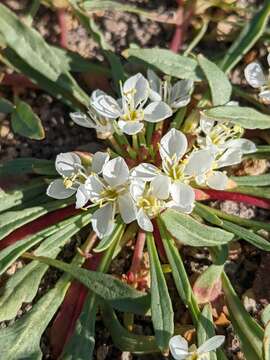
[256, 78]
[111, 194]
[222, 146]
[180, 350]
[176, 96]
[131, 110]
[74, 174]
[93, 120]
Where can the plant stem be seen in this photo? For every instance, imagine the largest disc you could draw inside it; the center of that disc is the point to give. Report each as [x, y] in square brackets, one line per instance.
[137, 256]
[198, 37]
[178, 118]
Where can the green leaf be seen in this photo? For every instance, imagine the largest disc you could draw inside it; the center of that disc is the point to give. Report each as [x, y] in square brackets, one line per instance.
[161, 305]
[266, 343]
[190, 232]
[246, 328]
[250, 34]
[207, 214]
[28, 51]
[22, 339]
[220, 86]
[57, 232]
[247, 235]
[166, 61]
[12, 220]
[258, 180]
[263, 192]
[122, 338]
[117, 69]
[247, 117]
[180, 277]
[23, 285]
[109, 288]
[207, 287]
[12, 198]
[265, 316]
[6, 107]
[82, 343]
[25, 122]
[117, 233]
[206, 329]
[28, 166]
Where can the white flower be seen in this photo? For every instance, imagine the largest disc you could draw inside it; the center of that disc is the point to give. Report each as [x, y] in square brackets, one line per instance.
[93, 120]
[256, 78]
[176, 96]
[111, 194]
[180, 350]
[74, 174]
[130, 110]
[172, 179]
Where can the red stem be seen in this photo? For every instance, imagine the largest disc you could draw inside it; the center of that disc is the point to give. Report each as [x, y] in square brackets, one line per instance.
[159, 243]
[209, 194]
[62, 20]
[137, 257]
[18, 80]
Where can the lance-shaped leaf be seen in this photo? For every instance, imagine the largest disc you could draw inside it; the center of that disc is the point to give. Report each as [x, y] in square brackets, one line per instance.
[109, 288]
[250, 34]
[28, 166]
[25, 122]
[161, 306]
[220, 86]
[124, 339]
[207, 287]
[262, 191]
[247, 117]
[19, 341]
[23, 285]
[180, 277]
[188, 231]
[117, 233]
[258, 180]
[166, 61]
[6, 107]
[248, 330]
[13, 219]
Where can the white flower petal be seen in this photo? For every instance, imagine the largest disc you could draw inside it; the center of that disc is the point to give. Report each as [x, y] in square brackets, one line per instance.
[230, 157]
[217, 180]
[67, 164]
[178, 347]
[157, 111]
[161, 186]
[116, 172]
[174, 143]
[137, 87]
[211, 344]
[57, 190]
[180, 95]
[183, 197]
[106, 106]
[130, 127]
[143, 221]
[199, 162]
[82, 196]
[94, 187]
[137, 188]
[81, 119]
[145, 172]
[268, 59]
[245, 145]
[265, 95]
[127, 208]
[206, 124]
[103, 220]
[254, 75]
[155, 85]
[99, 159]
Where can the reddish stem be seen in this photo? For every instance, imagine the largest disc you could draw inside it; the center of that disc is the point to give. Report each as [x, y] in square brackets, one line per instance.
[18, 80]
[137, 257]
[62, 20]
[209, 194]
[159, 243]
[38, 225]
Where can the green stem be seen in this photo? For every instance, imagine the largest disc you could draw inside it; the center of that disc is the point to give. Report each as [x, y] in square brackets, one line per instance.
[197, 38]
[31, 12]
[149, 132]
[178, 118]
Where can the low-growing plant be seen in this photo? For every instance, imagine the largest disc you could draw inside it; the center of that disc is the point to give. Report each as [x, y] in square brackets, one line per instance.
[171, 134]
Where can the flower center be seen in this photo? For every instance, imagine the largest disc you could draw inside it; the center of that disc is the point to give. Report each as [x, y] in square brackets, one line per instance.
[133, 115]
[223, 132]
[68, 182]
[150, 204]
[109, 195]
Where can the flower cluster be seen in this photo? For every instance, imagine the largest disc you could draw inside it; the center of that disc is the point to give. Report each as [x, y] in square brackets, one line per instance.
[256, 78]
[180, 350]
[143, 191]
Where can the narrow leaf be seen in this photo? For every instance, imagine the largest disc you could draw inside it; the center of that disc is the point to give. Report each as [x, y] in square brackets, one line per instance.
[220, 86]
[27, 166]
[258, 180]
[161, 306]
